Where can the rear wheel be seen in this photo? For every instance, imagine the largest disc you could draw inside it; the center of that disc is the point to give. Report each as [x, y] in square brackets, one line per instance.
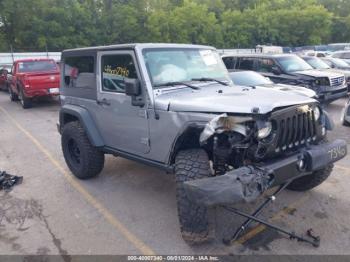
[194, 221]
[84, 160]
[26, 102]
[13, 96]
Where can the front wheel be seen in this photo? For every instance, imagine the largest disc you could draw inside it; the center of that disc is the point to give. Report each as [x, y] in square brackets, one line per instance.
[308, 182]
[13, 96]
[83, 159]
[194, 222]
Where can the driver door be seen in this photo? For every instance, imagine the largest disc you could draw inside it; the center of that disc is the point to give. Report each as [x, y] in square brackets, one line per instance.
[123, 126]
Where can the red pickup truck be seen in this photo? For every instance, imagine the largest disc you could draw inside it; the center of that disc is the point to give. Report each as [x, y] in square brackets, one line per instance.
[32, 78]
[5, 71]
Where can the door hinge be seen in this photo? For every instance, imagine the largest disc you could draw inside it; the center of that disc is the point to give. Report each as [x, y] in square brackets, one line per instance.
[143, 113]
[145, 141]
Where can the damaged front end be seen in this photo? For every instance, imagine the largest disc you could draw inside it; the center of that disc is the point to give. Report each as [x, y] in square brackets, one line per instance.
[251, 154]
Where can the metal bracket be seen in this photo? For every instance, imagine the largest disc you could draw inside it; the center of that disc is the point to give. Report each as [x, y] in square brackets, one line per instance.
[315, 241]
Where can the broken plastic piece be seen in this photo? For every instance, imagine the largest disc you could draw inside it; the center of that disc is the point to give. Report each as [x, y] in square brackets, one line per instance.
[243, 184]
[7, 181]
[223, 123]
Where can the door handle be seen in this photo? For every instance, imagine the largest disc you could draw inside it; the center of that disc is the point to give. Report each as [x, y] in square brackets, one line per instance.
[104, 101]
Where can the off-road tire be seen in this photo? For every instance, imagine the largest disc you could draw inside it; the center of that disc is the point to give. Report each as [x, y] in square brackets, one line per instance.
[25, 101]
[13, 96]
[90, 160]
[315, 179]
[308, 182]
[194, 219]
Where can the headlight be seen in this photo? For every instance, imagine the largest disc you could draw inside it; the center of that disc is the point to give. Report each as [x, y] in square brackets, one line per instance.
[317, 113]
[265, 130]
[322, 81]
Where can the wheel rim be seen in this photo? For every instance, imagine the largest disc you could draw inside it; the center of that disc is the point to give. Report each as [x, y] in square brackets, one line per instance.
[74, 151]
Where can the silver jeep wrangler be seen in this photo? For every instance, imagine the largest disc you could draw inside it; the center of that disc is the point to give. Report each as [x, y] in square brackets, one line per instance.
[174, 106]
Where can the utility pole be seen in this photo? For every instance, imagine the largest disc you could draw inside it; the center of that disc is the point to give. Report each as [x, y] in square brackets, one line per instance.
[13, 58]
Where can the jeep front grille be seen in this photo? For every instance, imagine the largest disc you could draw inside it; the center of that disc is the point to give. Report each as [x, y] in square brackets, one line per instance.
[337, 81]
[295, 130]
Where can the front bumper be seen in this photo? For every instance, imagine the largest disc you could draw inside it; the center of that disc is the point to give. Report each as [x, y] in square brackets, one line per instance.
[329, 95]
[249, 182]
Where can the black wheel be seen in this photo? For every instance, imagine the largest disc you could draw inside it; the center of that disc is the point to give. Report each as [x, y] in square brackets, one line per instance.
[25, 101]
[84, 160]
[13, 96]
[310, 181]
[194, 221]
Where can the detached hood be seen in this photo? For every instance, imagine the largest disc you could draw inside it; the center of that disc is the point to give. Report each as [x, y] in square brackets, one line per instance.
[318, 73]
[226, 99]
[291, 89]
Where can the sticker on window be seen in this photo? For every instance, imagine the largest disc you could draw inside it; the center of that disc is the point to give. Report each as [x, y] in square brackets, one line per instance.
[120, 71]
[208, 57]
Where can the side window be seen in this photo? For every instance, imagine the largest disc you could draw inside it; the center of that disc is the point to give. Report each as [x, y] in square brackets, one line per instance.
[229, 62]
[79, 72]
[265, 65]
[115, 68]
[245, 63]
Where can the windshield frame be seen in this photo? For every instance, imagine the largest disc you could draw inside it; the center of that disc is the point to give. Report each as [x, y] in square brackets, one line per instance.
[221, 64]
[279, 59]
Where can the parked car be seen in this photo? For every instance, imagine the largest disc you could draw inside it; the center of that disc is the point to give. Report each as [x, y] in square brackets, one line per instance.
[5, 72]
[336, 63]
[256, 80]
[343, 55]
[319, 64]
[291, 69]
[32, 78]
[346, 114]
[177, 109]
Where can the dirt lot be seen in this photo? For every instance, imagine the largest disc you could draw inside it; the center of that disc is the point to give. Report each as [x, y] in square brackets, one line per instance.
[131, 209]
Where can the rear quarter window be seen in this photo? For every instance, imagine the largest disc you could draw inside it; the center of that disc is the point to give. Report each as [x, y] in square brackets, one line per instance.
[79, 71]
[244, 63]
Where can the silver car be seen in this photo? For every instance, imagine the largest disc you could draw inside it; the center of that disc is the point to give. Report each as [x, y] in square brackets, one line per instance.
[175, 107]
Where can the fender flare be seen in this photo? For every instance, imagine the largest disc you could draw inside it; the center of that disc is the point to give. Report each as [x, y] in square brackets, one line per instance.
[85, 119]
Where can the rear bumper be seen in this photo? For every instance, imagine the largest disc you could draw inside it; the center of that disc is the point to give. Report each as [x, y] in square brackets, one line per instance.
[248, 183]
[39, 92]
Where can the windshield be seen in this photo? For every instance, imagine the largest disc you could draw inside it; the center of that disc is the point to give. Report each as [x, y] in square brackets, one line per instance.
[183, 64]
[340, 63]
[36, 66]
[316, 63]
[249, 78]
[293, 63]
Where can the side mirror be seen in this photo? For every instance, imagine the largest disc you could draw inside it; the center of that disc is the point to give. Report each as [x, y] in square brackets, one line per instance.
[276, 70]
[132, 87]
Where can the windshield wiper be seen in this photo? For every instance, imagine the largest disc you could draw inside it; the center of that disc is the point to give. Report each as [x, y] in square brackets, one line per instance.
[177, 83]
[207, 79]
